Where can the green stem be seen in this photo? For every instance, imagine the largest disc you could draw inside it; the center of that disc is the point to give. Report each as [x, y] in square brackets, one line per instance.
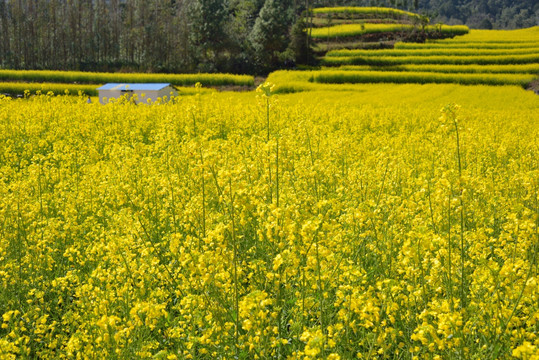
[277, 172]
[450, 260]
[235, 272]
[462, 244]
[203, 197]
[268, 119]
[320, 295]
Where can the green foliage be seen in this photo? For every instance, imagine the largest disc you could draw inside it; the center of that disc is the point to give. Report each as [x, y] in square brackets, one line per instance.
[502, 14]
[299, 43]
[485, 24]
[207, 36]
[185, 36]
[270, 34]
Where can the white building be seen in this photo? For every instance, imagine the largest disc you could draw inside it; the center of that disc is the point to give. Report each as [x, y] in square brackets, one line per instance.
[145, 93]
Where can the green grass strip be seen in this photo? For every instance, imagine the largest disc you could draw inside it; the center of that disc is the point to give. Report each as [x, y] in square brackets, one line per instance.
[345, 30]
[448, 69]
[432, 52]
[356, 77]
[468, 45]
[376, 11]
[496, 36]
[14, 88]
[101, 78]
[454, 60]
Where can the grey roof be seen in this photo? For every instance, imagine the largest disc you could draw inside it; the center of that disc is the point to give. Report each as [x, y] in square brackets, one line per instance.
[134, 86]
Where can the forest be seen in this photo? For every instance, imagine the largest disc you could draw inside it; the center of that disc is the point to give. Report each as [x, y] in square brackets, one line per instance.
[239, 36]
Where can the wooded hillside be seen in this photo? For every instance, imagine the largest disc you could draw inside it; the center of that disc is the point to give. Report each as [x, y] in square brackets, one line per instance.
[482, 14]
[241, 36]
[149, 35]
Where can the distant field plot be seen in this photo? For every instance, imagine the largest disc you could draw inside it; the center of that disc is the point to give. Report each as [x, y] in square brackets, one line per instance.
[365, 11]
[100, 78]
[450, 52]
[17, 88]
[348, 30]
[338, 77]
[496, 36]
[494, 69]
[325, 21]
[437, 59]
[294, 81]
[351, 30]
[468, 45]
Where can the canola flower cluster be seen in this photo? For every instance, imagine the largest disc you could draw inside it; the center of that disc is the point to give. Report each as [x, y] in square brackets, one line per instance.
[305, 226]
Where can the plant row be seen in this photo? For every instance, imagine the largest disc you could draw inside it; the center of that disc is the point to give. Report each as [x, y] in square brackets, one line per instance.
[497, 36]
[455, 60]
[432, 52]
[471, 69]
[15, 88]
[324, 22]
[289, 81]
[468, 45]
[364, 11]
[100, 78]
[340, 77]
[351, 30]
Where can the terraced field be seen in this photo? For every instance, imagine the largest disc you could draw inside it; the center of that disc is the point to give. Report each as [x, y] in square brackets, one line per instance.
[448, 68]
[479, 47]
[57, 82]
[349, 12]
[372, 27]
[354, 30]
[471, 51]
[478, 58]
[343, 80]
[372, 59]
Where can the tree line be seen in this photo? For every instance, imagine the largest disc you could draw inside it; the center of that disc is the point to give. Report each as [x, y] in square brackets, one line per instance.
[246, 36]
[484, 14]
[477, 14]
[240, 36]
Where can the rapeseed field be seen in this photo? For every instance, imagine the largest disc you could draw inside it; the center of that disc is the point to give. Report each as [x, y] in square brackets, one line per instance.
[488, 57]
[387, 222]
